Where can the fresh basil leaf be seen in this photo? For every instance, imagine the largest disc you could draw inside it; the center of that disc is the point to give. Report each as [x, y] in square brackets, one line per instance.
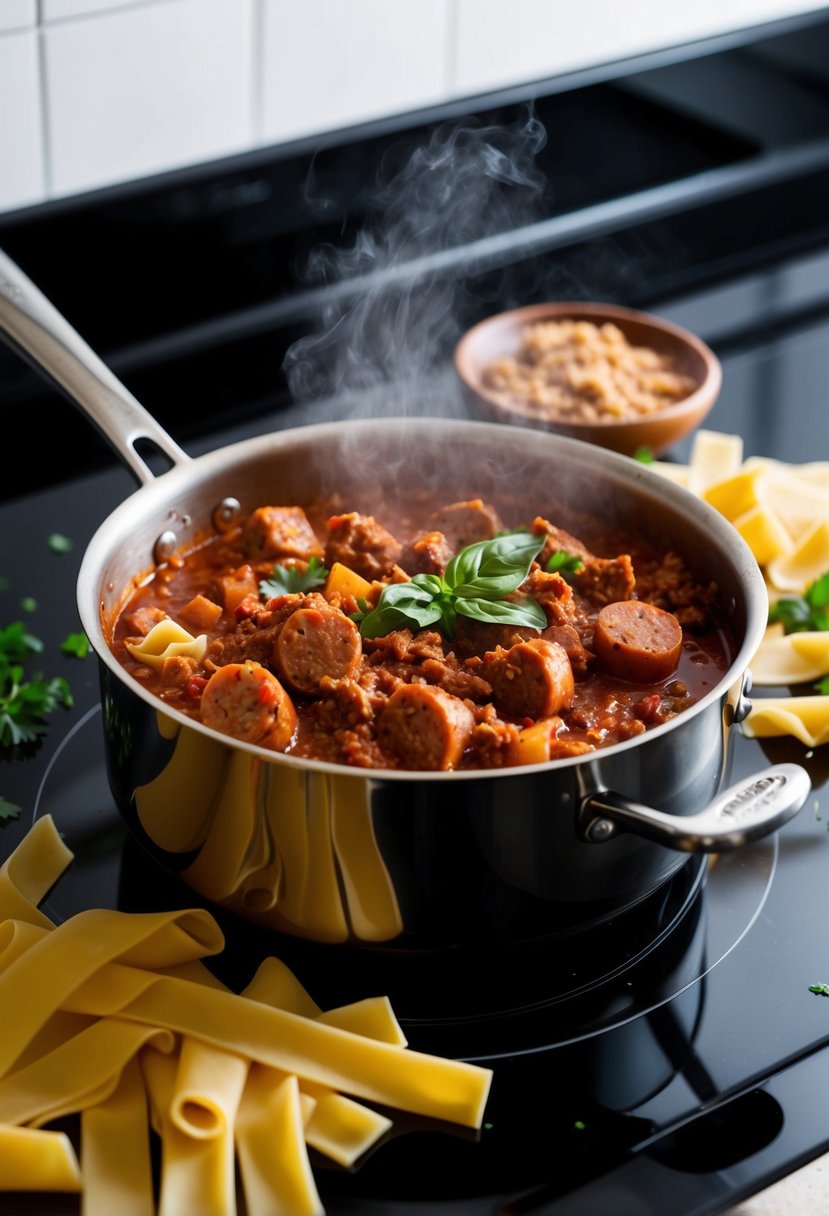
[792, 614]
[493, 568]
[432, 583]
[817, 593]
[528, 613]
[385, 618]
[474, 583]
[397, 594]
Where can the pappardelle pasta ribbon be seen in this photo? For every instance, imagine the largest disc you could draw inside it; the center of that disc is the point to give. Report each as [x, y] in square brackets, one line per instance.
[782, 512]
[114, 1016]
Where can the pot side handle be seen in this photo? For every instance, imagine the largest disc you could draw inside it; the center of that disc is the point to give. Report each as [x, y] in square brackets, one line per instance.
[35, 328]
[746, 811]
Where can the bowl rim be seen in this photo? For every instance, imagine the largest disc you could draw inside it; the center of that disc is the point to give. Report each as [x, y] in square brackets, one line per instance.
[707, 389]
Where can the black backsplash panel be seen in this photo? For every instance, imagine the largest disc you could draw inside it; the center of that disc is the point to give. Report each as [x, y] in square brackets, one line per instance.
[193, 286]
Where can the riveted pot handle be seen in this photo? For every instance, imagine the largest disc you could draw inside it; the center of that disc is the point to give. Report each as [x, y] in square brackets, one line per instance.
[752, 808]
[34, 327]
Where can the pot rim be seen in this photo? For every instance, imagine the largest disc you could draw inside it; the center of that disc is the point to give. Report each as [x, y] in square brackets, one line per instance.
[183, 476]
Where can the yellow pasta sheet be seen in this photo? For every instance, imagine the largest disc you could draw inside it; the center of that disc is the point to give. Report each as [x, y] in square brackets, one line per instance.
[168, 640]
[807, 718]
[115, 1016]
[782, 512]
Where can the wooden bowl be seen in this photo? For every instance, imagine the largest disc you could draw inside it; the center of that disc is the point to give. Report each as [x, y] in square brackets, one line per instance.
[498, 337]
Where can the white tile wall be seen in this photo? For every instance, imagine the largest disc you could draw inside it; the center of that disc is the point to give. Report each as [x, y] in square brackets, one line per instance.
[17, 14]
[57, 10]
[21, 153]
[327, 63]
[99, 91]
[498, 43]
[145, 88]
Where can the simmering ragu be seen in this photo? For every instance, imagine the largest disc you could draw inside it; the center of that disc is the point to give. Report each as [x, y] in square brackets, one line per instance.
[459, 637]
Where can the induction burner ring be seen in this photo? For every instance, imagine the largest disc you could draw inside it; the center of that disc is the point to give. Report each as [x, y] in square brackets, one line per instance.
[703, 913]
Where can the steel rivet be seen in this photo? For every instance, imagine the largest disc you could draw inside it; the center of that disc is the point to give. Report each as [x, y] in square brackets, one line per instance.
[164, 547]
[226, 514]
[601, 830]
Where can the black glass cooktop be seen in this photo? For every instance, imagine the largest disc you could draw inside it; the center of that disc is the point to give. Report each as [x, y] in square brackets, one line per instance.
[675, 1061]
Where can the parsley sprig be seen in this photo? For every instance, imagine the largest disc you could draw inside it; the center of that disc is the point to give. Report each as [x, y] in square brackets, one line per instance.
[25, 702]
[292, 580]
[564, 562]
[806, 612]
[474, 584]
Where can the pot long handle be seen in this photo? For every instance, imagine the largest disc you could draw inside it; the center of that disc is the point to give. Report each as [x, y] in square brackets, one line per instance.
[33, 325]
[751, 808]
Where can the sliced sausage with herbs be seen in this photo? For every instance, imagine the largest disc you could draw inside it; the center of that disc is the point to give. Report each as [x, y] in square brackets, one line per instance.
[459, 635]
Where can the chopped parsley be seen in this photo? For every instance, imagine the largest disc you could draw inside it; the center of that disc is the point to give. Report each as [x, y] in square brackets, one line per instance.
[75, 644]
[8, 810]
[823, 686]
[25, 701]
[28, 604]
[819, 989]
[59, 543]
[293, 580]
[564, 563]
[644, 455]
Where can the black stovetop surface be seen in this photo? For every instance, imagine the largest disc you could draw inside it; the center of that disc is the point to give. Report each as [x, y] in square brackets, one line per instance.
[671, 1076]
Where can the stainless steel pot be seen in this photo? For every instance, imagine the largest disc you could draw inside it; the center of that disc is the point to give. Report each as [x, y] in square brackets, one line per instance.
[402, 860]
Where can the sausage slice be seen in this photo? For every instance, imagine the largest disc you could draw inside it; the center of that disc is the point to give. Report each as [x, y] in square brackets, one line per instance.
[317, 642]
[247, 701]
[424, 727]
[463, 523]
[637, 641]
[532, 679]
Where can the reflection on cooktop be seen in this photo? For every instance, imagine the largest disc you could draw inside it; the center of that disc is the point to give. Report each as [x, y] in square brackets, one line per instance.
[479, 1006]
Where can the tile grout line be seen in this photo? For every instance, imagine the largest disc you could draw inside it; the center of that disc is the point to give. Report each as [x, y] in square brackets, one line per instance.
[257, 73]
[450, 54]
[43, 95]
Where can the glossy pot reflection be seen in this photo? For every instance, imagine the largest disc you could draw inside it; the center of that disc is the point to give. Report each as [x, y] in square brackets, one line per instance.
[379, 858]
[420, 861]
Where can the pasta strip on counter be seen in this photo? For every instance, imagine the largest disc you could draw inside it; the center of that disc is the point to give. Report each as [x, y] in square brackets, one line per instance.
[82, 1071]
[197, 1173]
[270, 1140]
[782, 512]
[116, 1016]
[208, 1088]
[31, 871]
[807, 718]
[115, 1151]
[793, 658]
[422, 1084]
[35, 1160]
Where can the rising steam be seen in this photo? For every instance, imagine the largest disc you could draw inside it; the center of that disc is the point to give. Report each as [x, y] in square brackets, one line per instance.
[390, 308]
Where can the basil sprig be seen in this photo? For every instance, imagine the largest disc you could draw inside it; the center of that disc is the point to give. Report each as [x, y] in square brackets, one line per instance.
[806, 612]
[474, 584]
